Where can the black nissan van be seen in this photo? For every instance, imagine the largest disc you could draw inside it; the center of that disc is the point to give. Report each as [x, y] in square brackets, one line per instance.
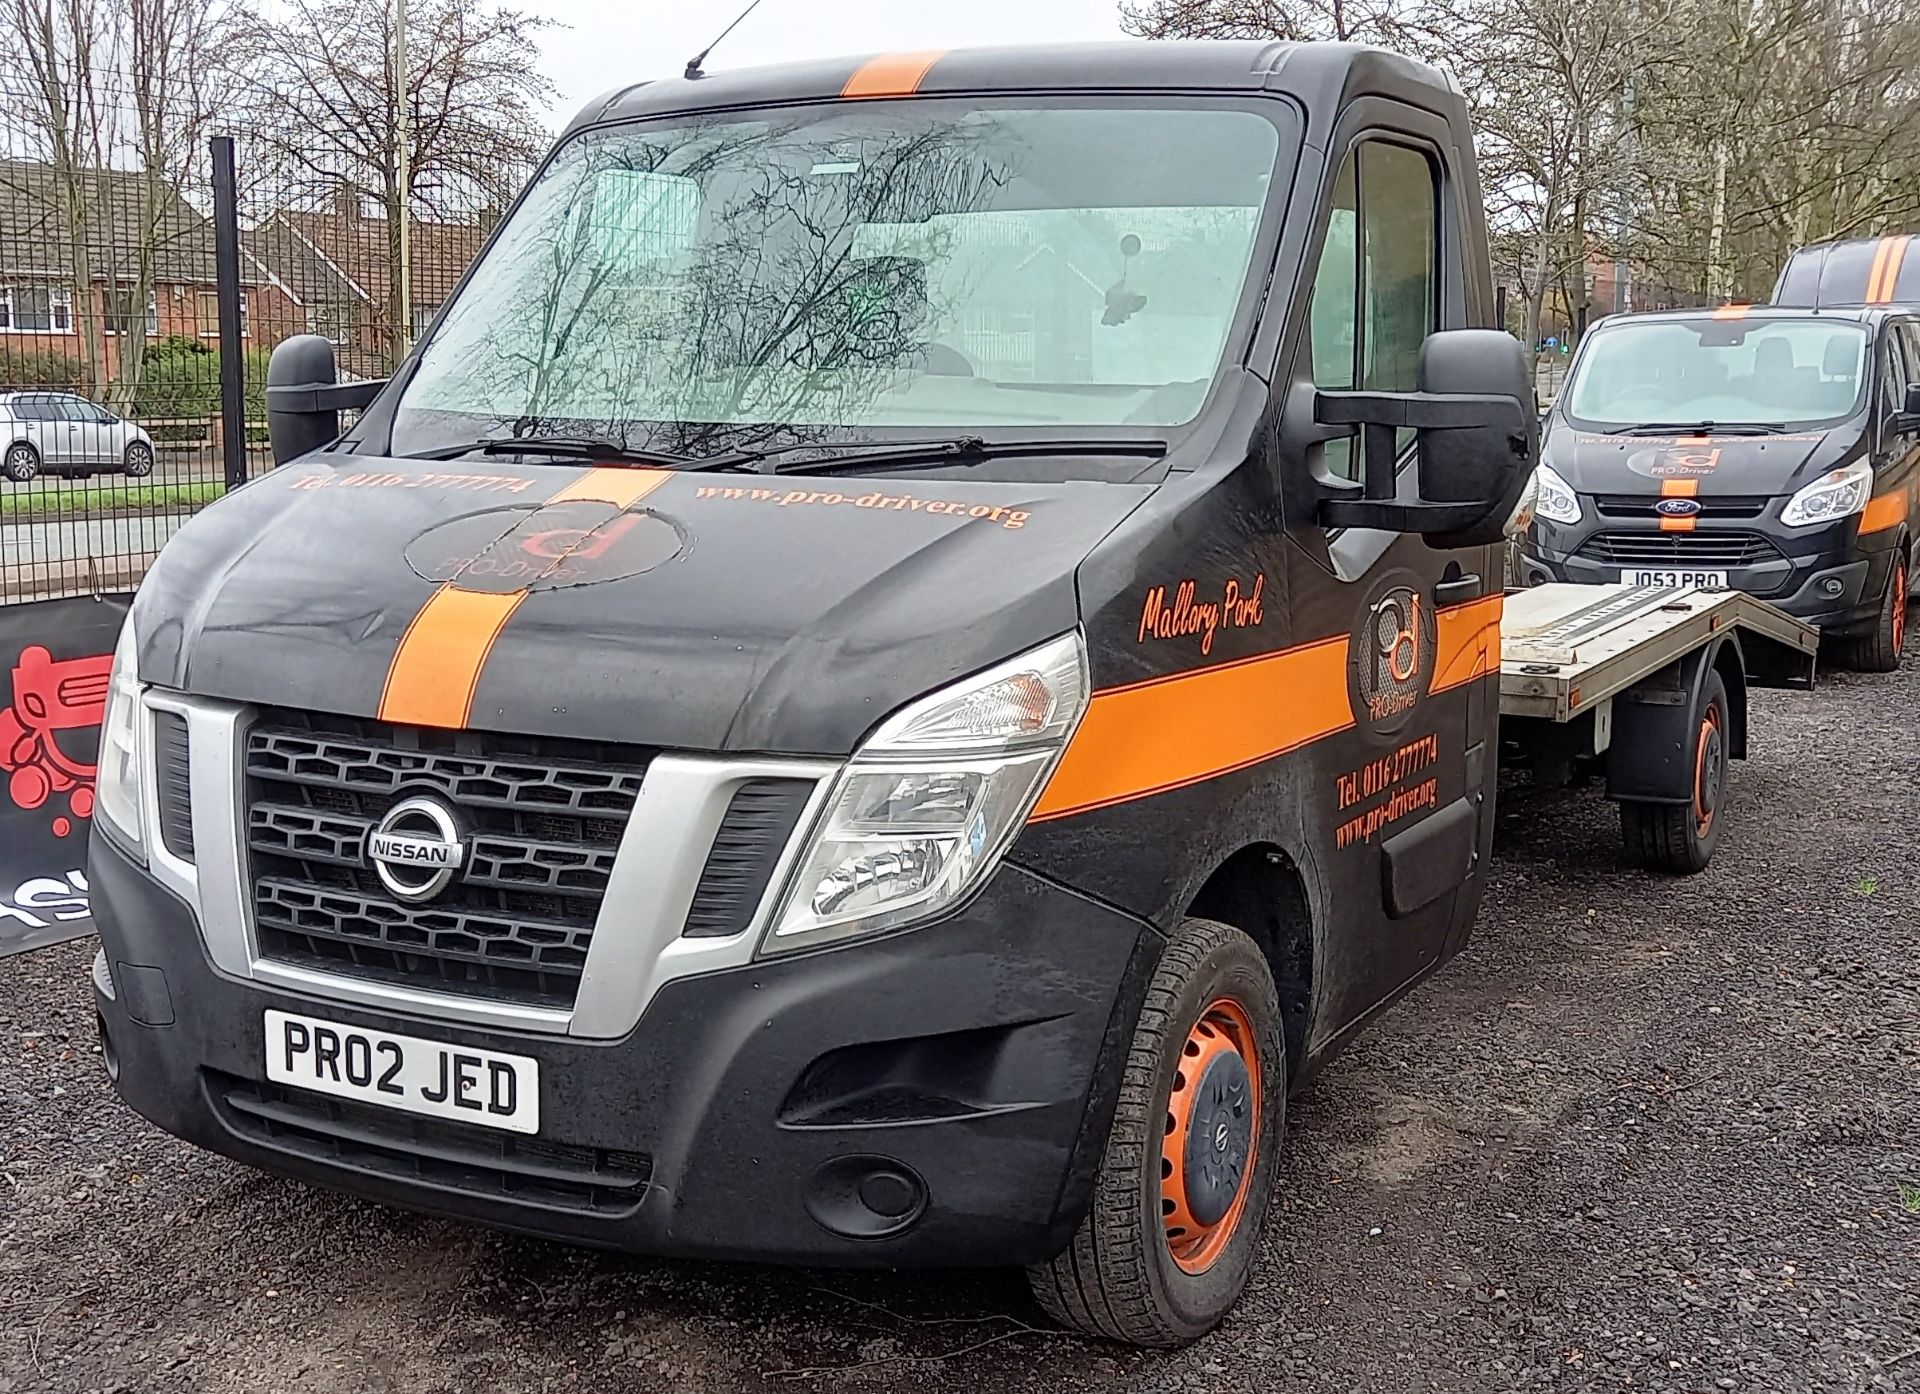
[1772, 450]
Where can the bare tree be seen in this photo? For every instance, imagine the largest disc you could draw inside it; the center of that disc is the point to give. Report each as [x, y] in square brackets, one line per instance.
[320, 74]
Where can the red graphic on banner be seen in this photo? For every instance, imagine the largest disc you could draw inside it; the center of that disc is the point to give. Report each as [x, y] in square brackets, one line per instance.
[50, 697]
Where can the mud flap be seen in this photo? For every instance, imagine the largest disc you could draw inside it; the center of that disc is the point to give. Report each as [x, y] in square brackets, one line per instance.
[1430, 859]
[1651, 759]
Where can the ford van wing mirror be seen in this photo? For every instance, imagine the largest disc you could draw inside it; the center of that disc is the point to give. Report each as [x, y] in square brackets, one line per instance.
[305, 397]
[1908, 417]
[1478, 439]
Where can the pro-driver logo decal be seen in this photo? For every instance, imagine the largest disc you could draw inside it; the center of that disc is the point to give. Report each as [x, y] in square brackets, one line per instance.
[1390, 660]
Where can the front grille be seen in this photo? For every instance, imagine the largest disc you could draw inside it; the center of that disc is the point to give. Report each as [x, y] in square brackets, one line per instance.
[1650, 548]
[759, 823]
[546, 818]
[455, 1156]
[1711, 506]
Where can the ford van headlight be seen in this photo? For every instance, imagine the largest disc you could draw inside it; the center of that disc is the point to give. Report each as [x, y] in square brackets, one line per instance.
[1554, 498]
[118, 788]
[1834, 495]
[929, 803]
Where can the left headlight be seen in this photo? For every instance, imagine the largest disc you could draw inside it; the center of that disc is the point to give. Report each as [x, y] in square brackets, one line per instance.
[1835, 494]
[1555, 499]
[927, 806]
[118, 791]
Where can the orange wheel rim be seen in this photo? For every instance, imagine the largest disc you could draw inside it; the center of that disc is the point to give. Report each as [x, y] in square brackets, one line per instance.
[1899, 610]
[1707, 771]
[1212, 1137]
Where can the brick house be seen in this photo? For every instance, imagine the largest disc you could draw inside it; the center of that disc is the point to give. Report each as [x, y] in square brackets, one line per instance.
[41, 321]
[335, 264]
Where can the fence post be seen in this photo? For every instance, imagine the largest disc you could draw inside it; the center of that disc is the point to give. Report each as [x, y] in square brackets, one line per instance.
[226, 263]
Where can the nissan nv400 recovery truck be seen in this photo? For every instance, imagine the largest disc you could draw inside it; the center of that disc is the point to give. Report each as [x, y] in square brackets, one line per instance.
[1776, 451]
[918, 642]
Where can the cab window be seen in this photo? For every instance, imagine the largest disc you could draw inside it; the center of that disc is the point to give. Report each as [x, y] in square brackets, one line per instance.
[1374, 291]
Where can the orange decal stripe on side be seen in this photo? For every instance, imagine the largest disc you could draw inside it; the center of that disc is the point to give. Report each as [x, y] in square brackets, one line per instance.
[438, 664]
[1887, 511]
[1468, 642]
[892, 74]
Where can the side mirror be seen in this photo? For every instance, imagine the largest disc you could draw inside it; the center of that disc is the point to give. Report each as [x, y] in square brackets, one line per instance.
[1478, 441]
[305, 397]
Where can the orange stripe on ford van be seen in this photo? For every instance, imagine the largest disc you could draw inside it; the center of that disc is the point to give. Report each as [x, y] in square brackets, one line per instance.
[1732, 312]
[1887, 511]
[1875, 275]
[1168, 733]
[1896, 253]
[1679, 489]
[892, 74]
[436, 669]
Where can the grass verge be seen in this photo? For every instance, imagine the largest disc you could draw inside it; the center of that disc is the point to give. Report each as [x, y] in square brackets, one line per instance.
[114, 498]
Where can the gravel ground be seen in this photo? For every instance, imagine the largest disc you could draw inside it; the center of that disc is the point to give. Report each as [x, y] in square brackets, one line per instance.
[1646, 1135]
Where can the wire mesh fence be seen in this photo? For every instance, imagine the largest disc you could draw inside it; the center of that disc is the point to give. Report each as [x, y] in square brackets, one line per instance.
[111, 431]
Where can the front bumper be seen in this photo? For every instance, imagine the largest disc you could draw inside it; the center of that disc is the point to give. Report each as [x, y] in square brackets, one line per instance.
[1828, 577]
[782, 1111]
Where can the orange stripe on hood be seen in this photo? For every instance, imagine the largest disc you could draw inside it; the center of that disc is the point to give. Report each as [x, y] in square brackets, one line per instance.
[892, 74]
[437, 667]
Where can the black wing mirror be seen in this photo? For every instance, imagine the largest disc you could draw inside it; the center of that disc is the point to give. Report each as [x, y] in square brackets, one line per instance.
[305, 397]
[1478, 441]
[1908, 419]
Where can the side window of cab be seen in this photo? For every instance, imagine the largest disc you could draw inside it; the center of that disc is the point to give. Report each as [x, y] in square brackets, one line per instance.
[1375, 299]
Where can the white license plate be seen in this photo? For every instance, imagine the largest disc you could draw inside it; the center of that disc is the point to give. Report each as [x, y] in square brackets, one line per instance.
[404, 1072]
[1707, 580]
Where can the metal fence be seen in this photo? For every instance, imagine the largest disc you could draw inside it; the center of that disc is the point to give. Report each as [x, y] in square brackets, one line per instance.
[110, 318]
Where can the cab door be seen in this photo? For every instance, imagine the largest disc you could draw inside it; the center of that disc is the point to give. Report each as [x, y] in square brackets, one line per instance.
[1399, 814]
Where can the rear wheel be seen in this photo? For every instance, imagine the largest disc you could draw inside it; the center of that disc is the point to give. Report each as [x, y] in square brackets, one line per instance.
[22, 463]
[1681, 838]
[139, 460]
[1188, 1171]
[1878, 651]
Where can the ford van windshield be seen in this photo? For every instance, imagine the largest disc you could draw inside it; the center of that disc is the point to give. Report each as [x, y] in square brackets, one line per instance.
[759, 279]
[1691, 373]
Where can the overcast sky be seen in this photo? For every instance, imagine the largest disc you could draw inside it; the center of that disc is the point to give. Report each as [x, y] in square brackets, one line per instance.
[609, 43]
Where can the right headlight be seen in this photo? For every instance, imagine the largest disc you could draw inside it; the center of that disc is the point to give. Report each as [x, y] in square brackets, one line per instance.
[1835, 494]
[118, 788]
[929, 803]
[1554, 499]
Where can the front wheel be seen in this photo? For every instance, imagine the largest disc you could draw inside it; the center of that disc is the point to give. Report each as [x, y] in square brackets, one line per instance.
[1681, 838]
[139, 460]
[1879, 650]
[1184, 1184]
[22, 463]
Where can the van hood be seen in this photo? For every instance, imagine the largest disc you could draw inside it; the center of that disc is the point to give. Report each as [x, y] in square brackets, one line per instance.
[698, 611]
[1753, 466]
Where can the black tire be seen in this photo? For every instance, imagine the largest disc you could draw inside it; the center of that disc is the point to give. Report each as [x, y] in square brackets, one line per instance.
[1120, 1278]
[1878, 651]
[22, 463]
[138, 462]
[1681, 838]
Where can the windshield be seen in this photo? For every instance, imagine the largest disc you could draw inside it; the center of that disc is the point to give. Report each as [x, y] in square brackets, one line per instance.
[730, 282]
[1785, 372]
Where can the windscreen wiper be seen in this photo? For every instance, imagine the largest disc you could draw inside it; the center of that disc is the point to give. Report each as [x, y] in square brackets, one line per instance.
[923, 454]
[1701, 428]
[608, 452]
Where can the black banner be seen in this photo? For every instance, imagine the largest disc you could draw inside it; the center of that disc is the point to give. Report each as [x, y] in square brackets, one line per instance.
[54, 657]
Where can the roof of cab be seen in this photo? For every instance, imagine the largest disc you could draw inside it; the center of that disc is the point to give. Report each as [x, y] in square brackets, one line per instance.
[1322, 76]
[1864, 314]
[1857, 271]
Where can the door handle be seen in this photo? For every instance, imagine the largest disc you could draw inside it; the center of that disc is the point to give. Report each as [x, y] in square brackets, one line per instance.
[1458, 591]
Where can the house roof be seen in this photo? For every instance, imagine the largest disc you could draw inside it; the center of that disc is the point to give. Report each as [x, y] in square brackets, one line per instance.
[341, 254]
[119, 209]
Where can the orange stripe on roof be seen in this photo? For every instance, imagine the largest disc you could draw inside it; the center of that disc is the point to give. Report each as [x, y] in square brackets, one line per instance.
[1732, 312]
[892, 74]
[1890, 272]
[1880, 250]
[1887, 511]
[437, 667]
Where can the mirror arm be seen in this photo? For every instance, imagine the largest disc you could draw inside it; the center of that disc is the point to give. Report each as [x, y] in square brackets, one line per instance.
[1381, 416]
[309, 398]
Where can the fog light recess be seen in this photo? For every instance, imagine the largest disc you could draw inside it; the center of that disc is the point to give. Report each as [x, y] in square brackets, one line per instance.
[866, 1197]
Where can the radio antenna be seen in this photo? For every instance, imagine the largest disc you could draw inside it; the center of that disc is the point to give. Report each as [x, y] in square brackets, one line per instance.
[693, 64]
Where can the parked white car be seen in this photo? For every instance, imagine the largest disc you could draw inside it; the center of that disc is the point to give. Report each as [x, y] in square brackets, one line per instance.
[64, 433]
